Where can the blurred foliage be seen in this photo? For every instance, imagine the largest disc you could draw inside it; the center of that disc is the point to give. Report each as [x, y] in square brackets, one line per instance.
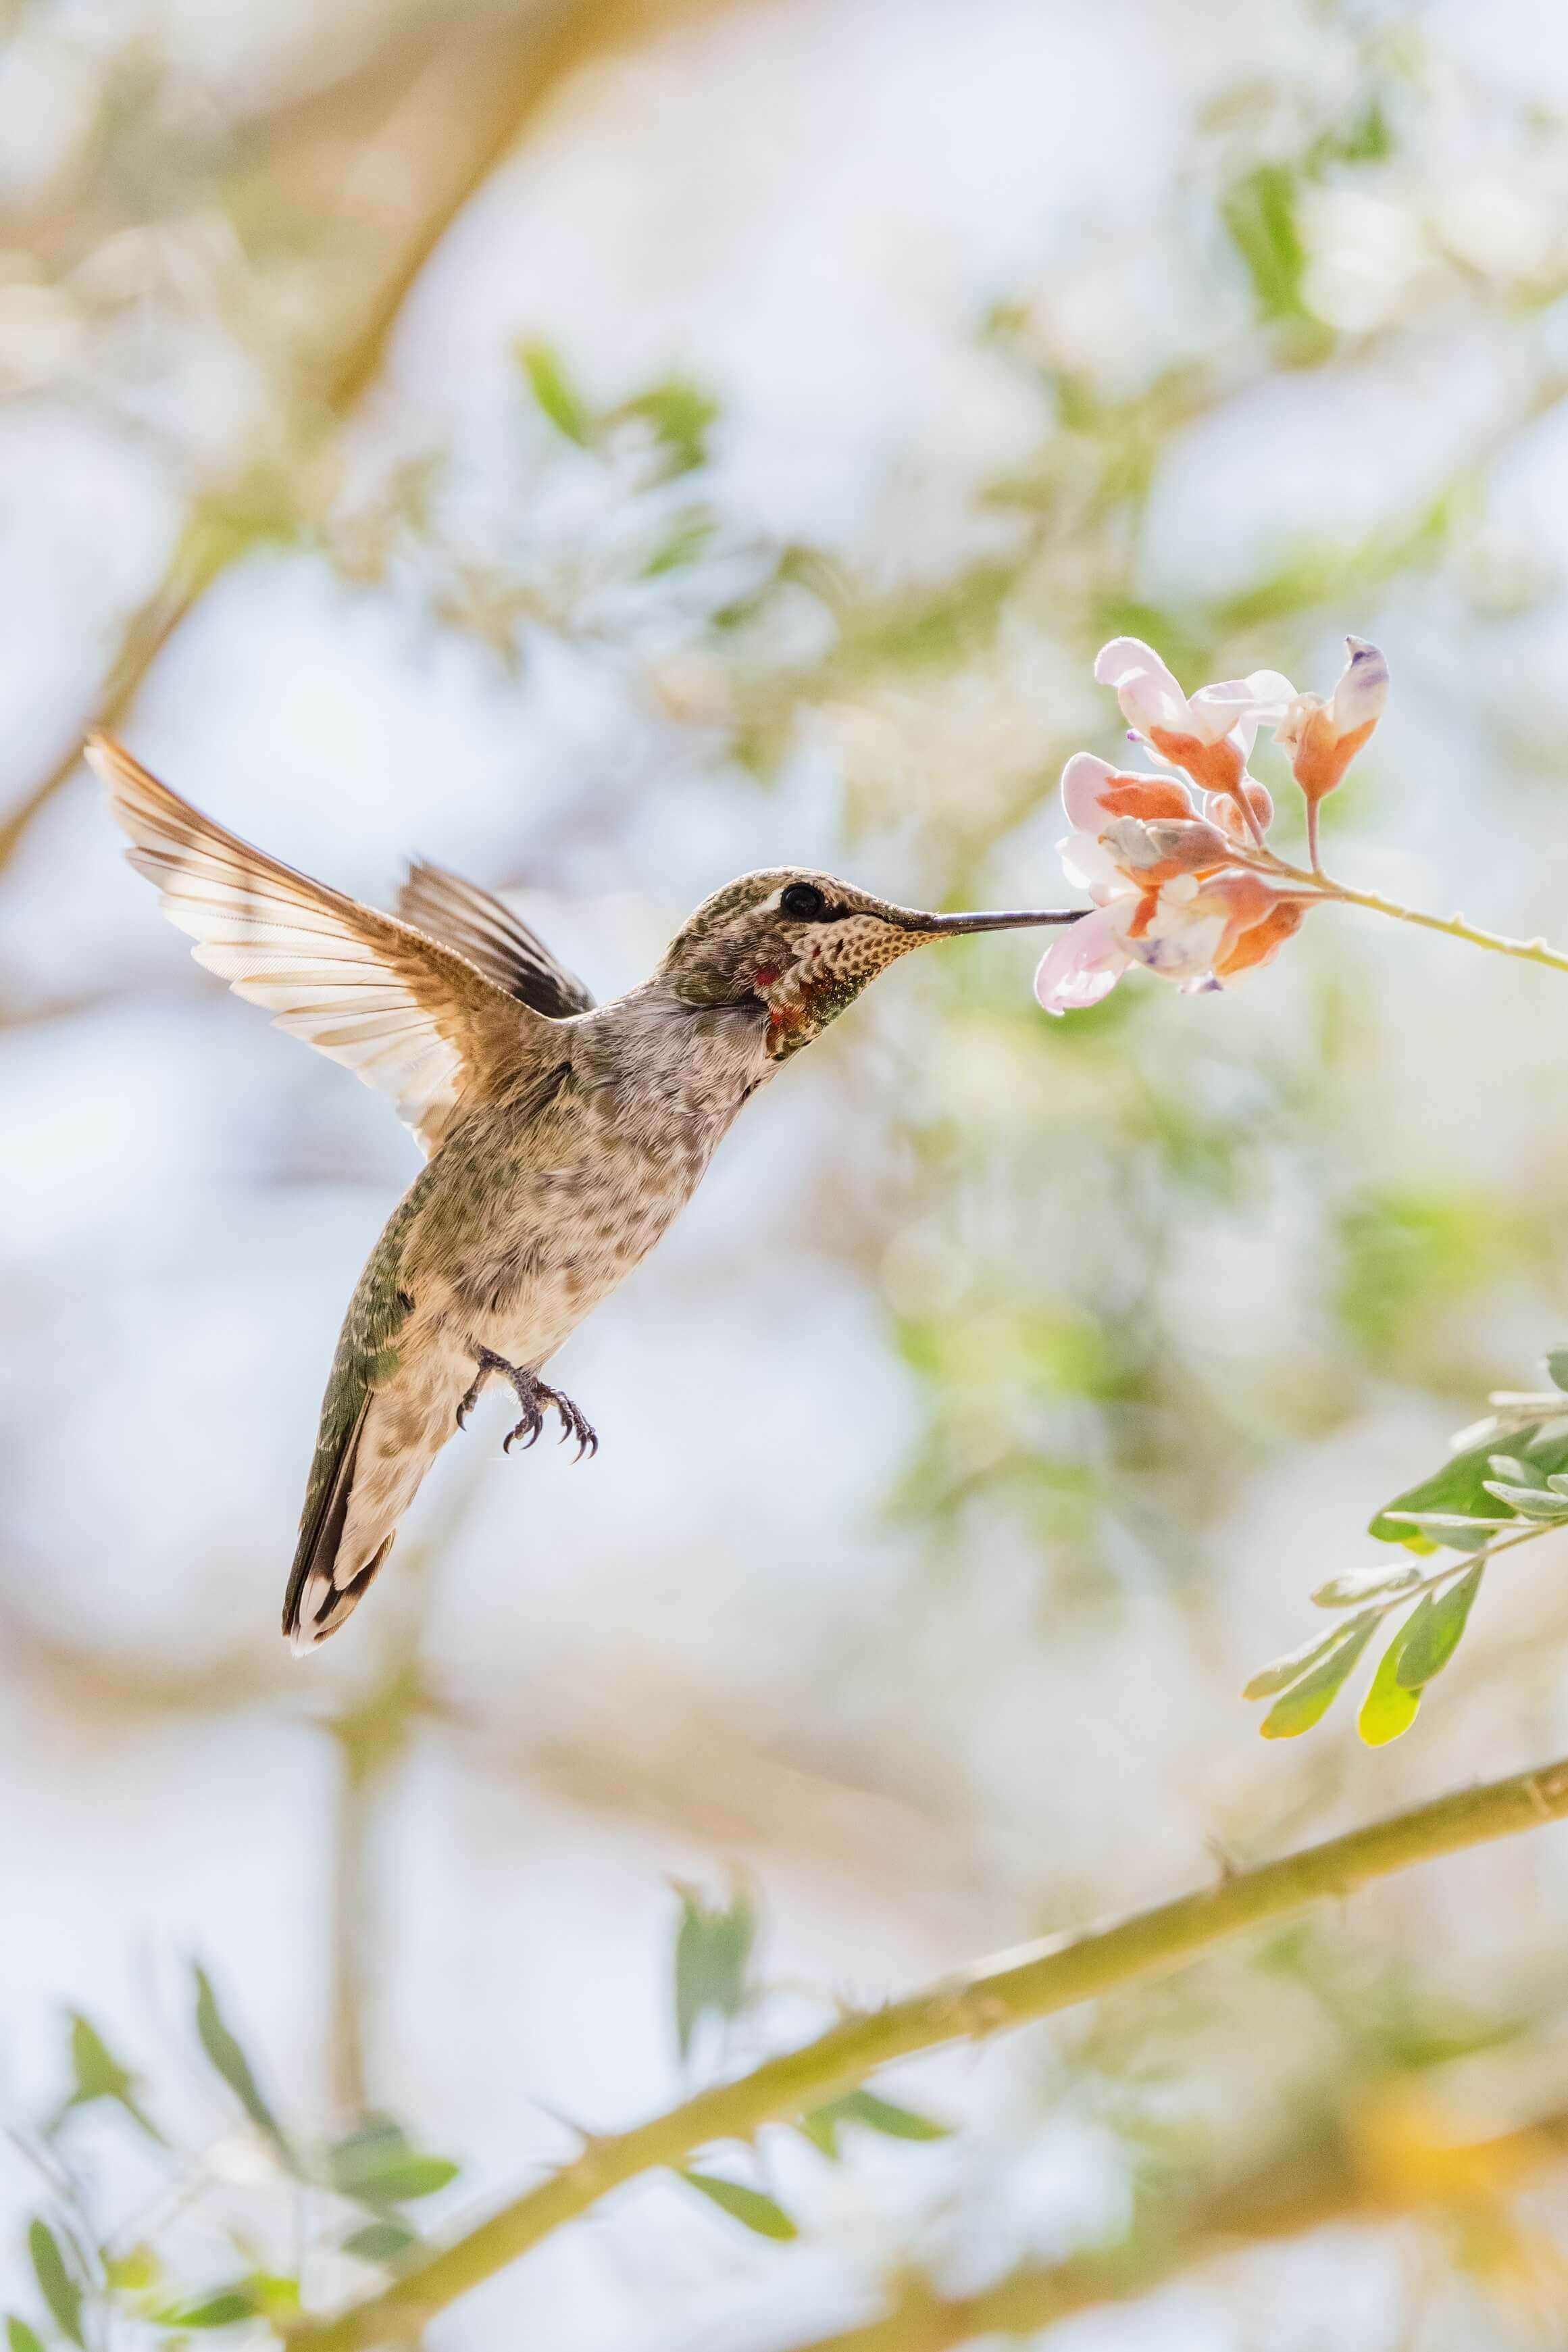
[95, 2276]
[1034, 1208]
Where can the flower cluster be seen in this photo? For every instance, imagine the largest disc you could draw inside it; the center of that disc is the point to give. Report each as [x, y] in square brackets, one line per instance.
[1177, 863]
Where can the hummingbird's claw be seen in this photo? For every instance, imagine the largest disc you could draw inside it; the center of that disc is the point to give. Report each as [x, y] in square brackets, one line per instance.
[536, 1399]
[526, 1432]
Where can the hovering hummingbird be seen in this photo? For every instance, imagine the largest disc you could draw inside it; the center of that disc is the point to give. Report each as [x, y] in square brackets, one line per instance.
[562, 1136]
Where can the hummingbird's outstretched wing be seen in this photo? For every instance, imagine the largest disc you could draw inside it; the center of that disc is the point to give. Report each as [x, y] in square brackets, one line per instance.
[406, 1012]
[492, 937]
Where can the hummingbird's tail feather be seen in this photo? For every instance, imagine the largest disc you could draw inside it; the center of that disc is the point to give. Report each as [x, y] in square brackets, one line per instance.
[316, 1603]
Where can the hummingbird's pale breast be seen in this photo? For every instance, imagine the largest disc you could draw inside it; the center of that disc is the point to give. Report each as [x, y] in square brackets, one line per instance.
[532, 1213]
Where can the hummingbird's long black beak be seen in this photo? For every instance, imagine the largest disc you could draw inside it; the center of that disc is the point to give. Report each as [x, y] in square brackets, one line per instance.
[946, 927]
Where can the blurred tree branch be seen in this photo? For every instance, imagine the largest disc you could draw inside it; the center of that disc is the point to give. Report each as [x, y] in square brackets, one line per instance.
[1338, 2178]
[448, 125]
[1009, 1991]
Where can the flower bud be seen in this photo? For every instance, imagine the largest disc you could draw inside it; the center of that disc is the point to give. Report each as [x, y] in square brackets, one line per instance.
[1223, 809]
[1321, 738]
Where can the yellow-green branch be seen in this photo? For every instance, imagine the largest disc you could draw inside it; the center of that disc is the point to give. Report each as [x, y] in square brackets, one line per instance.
[1455, 927]
[1009, 1990]
[1324, 889]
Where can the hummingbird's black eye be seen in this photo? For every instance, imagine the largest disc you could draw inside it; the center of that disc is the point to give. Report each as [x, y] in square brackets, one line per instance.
[804, 901]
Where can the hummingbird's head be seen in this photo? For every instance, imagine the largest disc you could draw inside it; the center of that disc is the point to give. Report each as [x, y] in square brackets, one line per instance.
[804, 945]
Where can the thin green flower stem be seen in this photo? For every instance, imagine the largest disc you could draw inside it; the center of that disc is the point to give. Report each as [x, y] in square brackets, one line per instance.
[1323, 887]
[1010, 1990]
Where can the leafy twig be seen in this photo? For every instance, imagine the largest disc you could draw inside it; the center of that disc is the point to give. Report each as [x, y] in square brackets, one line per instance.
[991, 1998]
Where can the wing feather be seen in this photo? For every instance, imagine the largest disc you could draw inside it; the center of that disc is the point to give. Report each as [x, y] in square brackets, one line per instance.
[410, 1013]
[491, 936]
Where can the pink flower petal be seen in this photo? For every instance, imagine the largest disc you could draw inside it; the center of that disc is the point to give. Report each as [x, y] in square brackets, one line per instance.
[1148, 693]
[1239, 705]
[1089, 865]
[1273, 695]
[1217, 710]
[1082, 965]
[1083, 781]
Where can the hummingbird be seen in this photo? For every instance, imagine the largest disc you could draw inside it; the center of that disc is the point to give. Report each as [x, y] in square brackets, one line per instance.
[562, 1136]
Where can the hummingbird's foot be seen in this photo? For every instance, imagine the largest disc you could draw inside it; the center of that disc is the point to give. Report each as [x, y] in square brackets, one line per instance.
[537, 1398]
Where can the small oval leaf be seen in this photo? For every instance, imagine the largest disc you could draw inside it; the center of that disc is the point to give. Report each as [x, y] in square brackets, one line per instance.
[414, 2176]
[1365, 1584]
[553, 390]
[381, 2241]
[1309, 1700]
[745, 2205]
[1300, 1661]
[99, 2075]
[225, 2309]
[1529, 1502]
[231, 2062]
[376, 2163]
[1448, 1519]
[713, 1958]
[56, 2284]
[821, 2124]
[19, 2338]
[1435, 1630]
[1557, 1368]
[1388, 1707]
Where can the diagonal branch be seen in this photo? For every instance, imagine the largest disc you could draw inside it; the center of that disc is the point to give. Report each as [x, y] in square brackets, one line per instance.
[1009, 1990]
[444, 137]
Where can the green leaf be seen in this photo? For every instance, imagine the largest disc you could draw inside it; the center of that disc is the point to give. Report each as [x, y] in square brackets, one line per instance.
[1299, 1661]
[259, 2297]
[225, 2309]
[1309, 1701]
[274, 2296]
[376, 2164]
[99, 2075]
[1449, 1519]
[1388, 1707]
[1435, 1630]
[747, 2205]
[1459, 1487]
[713, 1953]
[1259, 213]
[1519, 1473]
[554, 391]
[822, 2125]
[19, 2338]
[381, 2241]
[1557, 1368]
[1529, 1502]
[56, 2284]
[680, 414]
[235, 2067]
[685, 541]
[132, 2273]
[1365, 1584]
